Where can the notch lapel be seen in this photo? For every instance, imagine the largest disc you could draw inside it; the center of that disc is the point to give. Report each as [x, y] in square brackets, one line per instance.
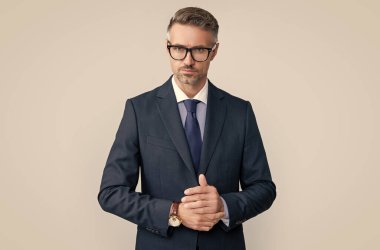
[215, 116]
[168, 109]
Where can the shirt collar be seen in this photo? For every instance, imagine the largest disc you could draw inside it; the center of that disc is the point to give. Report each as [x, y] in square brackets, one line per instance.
[181, 96]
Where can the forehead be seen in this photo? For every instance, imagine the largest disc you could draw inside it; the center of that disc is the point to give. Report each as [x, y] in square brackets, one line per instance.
[190, 35]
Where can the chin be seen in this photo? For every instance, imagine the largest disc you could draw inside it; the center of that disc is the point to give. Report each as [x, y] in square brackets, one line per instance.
[191, 80]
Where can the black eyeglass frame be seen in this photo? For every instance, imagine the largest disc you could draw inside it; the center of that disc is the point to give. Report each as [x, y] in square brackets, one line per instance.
[191, 51]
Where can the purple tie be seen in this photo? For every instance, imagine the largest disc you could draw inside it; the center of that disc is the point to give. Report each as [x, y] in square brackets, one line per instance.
[193, 132]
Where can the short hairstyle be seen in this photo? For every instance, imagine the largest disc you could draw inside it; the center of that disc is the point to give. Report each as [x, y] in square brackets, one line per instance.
[197, 17]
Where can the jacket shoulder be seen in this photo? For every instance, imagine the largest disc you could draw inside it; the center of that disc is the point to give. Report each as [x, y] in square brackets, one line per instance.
[232, 100]
[145, 95]
[149, 96]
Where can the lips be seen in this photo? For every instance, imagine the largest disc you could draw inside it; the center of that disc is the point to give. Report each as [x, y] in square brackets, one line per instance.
[188, 71]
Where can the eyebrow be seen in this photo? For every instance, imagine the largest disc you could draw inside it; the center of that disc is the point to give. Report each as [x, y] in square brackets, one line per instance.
[194, 47]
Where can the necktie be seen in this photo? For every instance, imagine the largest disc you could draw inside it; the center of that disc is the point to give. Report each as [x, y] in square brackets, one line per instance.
[193, 132]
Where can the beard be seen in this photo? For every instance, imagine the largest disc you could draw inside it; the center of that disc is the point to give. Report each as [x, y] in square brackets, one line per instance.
[188, 78]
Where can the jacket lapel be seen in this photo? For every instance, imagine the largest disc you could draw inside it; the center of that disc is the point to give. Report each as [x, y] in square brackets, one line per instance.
[215, 116]
[168, 109]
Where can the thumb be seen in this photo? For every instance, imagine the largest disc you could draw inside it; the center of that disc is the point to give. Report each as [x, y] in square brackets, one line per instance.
[202, 180]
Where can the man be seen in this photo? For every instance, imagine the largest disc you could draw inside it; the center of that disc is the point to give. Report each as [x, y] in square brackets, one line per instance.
[194, 144]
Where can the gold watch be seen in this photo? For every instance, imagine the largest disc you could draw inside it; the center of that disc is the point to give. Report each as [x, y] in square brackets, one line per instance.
[174, 219]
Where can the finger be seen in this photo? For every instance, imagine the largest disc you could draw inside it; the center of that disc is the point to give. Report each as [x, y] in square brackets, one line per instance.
[219, 215]
[197, 190]
[197, 204]
[194, 197]
[199, 223]
[204, 229]
[213, 216]
[201, 227]
[204, 210]
[202, 180]
[200, 190]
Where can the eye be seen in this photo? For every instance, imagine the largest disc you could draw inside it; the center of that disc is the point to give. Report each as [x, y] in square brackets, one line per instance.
[200, 50]
[178, 49]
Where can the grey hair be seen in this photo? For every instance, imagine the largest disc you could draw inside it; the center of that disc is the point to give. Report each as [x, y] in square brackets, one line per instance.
[197, 17]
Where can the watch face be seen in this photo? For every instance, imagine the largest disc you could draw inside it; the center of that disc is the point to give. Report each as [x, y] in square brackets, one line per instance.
[174, 221]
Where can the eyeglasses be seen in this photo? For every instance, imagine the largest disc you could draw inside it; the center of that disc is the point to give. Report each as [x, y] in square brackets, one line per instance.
[199, 54]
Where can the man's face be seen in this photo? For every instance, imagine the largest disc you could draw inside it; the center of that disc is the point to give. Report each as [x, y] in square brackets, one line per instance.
[189, 71]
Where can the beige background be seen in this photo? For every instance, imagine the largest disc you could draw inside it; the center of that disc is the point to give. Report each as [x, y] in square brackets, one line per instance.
[310, 69]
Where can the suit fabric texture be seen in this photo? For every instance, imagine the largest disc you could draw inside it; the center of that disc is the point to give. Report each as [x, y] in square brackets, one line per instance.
[151, 141]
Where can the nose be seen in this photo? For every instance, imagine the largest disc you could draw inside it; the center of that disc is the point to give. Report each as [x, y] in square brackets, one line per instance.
[188, 59]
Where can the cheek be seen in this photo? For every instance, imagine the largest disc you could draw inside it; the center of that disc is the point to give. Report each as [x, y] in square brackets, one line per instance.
[205, 67]
[175, 65]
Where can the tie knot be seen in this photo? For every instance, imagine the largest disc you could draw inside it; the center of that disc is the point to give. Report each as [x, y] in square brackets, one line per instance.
[191, 105]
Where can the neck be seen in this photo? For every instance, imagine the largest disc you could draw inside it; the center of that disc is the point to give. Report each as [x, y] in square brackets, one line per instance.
[190, 89]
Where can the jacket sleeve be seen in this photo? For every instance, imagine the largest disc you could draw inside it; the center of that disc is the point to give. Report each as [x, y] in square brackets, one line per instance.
[117, 193]
[258, 190]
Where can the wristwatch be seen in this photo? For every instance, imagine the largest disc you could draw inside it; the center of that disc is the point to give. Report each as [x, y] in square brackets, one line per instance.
[174, 219]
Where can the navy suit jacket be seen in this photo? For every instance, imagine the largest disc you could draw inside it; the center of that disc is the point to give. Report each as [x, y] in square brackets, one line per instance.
[151, 141]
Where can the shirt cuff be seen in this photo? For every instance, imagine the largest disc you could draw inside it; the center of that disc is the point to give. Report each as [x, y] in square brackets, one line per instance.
[226, 218]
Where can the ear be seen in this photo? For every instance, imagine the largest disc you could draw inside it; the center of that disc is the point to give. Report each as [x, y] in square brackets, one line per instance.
[214, 52]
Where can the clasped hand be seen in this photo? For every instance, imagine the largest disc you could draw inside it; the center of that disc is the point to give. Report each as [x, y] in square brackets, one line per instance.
[201, 207]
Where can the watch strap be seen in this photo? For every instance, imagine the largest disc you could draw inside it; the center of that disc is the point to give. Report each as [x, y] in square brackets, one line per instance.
[174, 208]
